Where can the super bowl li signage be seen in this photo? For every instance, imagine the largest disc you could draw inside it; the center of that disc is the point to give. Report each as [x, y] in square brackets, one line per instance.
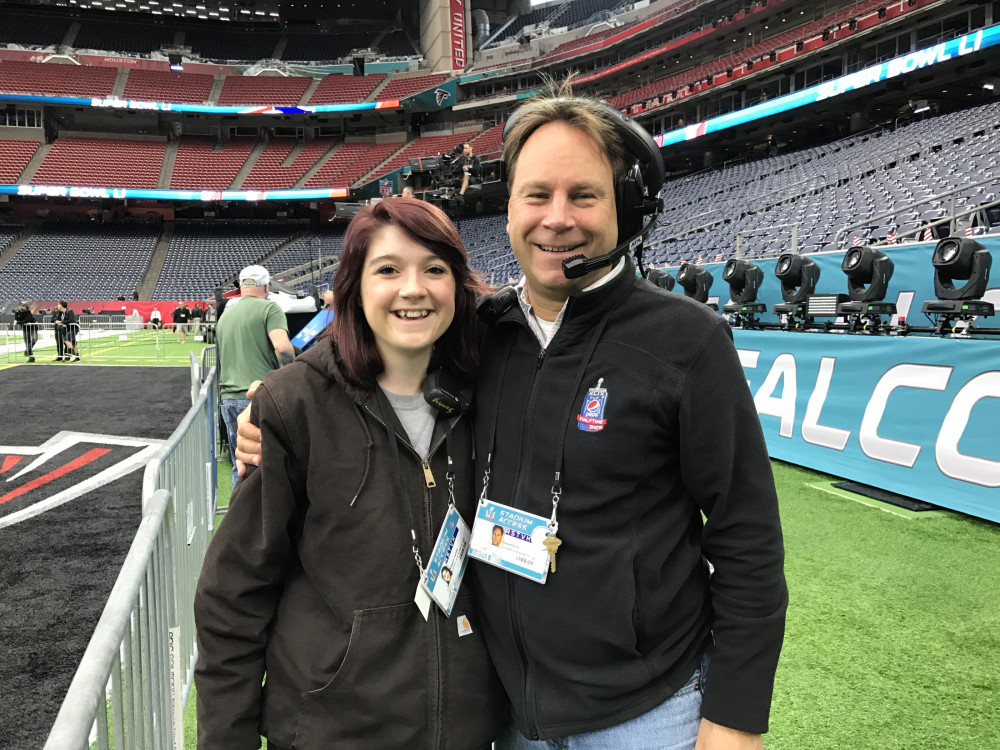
[456, 22]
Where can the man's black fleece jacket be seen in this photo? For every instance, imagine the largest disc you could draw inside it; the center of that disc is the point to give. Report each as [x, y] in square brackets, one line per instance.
[624, 620]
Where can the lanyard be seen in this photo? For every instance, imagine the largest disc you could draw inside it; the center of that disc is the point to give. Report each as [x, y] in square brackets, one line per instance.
[557, 482]
[397, 478]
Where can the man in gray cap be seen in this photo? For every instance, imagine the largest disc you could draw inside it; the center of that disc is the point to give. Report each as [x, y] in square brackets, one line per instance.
[252, 340]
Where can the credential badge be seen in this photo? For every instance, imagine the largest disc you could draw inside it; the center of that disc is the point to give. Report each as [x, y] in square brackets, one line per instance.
[591, 416]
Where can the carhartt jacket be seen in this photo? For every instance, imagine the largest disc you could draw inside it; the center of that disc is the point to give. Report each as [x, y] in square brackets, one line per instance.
[653, 429]
[308, 586]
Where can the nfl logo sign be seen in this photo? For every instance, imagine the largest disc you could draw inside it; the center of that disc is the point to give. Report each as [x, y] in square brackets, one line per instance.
[385, 188]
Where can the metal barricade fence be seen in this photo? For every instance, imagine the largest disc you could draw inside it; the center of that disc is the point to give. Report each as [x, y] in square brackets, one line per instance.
[133, 681]
[15, 344]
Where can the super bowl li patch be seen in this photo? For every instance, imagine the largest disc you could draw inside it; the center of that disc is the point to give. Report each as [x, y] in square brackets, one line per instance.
[591, 416]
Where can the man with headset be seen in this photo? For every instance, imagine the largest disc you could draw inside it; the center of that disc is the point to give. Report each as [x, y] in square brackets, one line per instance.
[618, 414]
[611, 415]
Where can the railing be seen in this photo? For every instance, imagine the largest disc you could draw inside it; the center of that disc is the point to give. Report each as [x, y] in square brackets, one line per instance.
[950, 218]
[764, 230]
[133, 681]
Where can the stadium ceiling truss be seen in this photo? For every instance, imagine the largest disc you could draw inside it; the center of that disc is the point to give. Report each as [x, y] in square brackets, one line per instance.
[214, 10]
[243, 10]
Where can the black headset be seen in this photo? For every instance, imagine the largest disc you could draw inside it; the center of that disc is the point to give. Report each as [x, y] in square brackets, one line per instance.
[637, 191]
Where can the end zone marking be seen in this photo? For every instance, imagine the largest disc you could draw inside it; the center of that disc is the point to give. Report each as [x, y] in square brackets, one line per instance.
[59, 442]
[86, 458]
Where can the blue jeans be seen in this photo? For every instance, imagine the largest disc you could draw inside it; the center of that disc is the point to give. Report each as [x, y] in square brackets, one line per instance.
[231, 409]
[673, 725]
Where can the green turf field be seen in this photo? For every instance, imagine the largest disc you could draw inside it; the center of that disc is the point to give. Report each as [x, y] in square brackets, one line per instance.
[893, 634]
[103, 347]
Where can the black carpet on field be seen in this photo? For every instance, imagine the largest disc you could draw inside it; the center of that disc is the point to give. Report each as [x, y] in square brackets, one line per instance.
[57, 569]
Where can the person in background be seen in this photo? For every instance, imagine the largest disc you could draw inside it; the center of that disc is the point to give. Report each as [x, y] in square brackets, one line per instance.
[182, 318]
[252, 338]
[471, 168]
[66, 329]
[209, 322]
[309, 581]
[196, 317]
[29, 329]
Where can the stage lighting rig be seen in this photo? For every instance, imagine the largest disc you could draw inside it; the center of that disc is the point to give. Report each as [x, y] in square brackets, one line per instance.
[798, 276]
[660, 278]
[744, 279]
[959, 259]
[868, 273]
[696, 282]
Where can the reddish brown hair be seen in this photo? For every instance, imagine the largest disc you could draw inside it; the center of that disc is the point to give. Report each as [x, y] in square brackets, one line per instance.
[457, 349]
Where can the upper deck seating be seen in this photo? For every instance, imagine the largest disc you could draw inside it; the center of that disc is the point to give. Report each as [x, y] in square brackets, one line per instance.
[53, 79]
[14, 157]
[350, 162]
[400, 88]
[334, 89]
[199, 166]
[268, 172]
[157, 86]
[102, 162]
[275, 91]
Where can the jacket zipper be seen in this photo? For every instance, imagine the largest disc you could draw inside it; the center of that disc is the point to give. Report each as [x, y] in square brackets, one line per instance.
[512, 586]
[429, 482]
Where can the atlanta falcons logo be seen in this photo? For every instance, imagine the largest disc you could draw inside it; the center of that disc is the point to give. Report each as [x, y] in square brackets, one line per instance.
[34, 479]
[441, 95]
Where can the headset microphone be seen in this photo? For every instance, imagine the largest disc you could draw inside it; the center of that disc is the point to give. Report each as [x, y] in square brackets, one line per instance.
[581, 265]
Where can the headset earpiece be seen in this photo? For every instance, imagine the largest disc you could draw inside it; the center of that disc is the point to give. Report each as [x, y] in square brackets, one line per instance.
[630, 193]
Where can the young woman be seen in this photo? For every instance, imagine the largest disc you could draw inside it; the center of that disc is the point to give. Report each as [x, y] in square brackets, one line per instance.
[309, 585]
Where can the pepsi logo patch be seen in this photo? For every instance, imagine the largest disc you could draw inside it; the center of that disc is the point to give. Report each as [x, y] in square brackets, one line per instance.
[591, 416]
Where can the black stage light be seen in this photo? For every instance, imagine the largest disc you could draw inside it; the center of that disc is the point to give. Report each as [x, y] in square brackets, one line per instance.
[744, 279]
[798, 276]
[826, 35]
[660, 278]
[799, 45]
[868, 273]
[961, 259]
[881, 11]
[773, 56]
[696, 282]
[852, 24]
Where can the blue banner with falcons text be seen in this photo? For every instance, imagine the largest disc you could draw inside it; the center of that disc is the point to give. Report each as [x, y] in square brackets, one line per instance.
[914, 416]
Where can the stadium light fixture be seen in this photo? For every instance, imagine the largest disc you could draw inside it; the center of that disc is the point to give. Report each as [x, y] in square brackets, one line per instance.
[959, 259]
[660, 278]
[696, 282]
[744, 279]
[868, 273]
[798, 276]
